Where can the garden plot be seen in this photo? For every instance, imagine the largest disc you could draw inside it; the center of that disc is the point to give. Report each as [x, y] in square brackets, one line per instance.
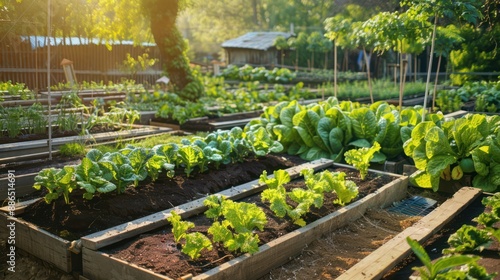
[102, 264]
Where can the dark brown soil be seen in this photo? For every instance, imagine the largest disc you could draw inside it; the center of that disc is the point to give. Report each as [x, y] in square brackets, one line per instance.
[336, 252]
[82, 217]
[157, 250]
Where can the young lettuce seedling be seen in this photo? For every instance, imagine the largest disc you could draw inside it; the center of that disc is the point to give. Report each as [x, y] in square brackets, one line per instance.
[360, 158]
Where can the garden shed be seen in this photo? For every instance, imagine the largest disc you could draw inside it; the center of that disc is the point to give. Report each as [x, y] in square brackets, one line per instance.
[253, 48]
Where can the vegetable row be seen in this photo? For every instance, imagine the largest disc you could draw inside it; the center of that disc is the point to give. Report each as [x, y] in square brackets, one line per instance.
[114, 171]
[234, 223]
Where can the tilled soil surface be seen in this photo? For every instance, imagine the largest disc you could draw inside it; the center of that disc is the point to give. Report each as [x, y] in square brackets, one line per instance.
[159, 252]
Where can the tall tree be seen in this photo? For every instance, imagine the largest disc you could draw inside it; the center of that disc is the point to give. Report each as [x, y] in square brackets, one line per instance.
[281, 45]
[163, 15]
[465, 10]
[314, 45]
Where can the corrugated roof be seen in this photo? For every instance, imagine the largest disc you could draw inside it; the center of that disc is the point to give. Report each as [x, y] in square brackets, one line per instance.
[255, 40]
[41, 41]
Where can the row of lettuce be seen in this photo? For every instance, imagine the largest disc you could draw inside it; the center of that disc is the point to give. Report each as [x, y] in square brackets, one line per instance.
[442, 149]
[484, 95]
[235, 223]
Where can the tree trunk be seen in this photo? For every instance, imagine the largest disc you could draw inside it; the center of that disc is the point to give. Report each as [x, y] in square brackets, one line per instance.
[255, 14]
[429, 69]
[367, 61]
[163, 14]
[312, 61]
[335, 69]
[326, 60]
[436, 84]
[401, 79]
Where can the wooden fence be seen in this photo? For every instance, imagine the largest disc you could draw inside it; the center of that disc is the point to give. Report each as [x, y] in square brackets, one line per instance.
[22, 63]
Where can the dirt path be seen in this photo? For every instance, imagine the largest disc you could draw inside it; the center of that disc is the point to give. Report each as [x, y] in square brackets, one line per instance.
[330, 256]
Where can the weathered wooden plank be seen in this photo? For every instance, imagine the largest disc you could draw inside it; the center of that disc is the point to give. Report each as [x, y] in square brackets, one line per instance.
[40, 243]
[11, 150]
[162, 124]
[112, 235]
[98, 264]
[230, 124]
[379, 262]
[456, 114]
[24, 185]
[18, 207]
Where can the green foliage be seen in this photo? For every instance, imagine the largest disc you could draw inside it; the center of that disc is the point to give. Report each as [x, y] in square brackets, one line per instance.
[468, 239]
[9, 88]
[133, 65]
[477, 53]
[304, 199]
[360, 158]
[72, 149]
[235, 223]
[448, 267]
[195, 242]
[449, 101]
[249, 73]
[328, 128]
[57, 182]
[117, 169]
[179, 228]
[435, 148]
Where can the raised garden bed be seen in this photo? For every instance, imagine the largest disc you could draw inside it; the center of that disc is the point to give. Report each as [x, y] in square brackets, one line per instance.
[42, 225]
[102, 264]
[227, 121]
[435, 244]
[12, 152]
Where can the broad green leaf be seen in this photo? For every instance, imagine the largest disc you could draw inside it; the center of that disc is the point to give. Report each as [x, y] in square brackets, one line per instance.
[106, 187]
[439, 163]
[94, 155]
[195, 243]
[364, 123]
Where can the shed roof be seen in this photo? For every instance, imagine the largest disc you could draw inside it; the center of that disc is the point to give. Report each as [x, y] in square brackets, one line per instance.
[255, 40]
[42, 41]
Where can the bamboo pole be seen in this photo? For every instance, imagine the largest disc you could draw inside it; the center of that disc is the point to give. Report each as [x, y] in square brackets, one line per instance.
[48, 80]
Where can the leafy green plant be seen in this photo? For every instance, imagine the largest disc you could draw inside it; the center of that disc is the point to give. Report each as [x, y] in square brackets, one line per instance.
[468, 239]
[58, 182]
[72, 149]
[313, 195]
[326, 181]
[195, 242]
[448, 267]
[92, 179]
[360, 158]
[439, 149]
[235, 223]
[450, 100]
[13, 120]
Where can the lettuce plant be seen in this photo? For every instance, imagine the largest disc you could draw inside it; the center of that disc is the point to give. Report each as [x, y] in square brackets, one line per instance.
[360, 158]
[195, 241]
[234, 223]
[92, 179]
[439, 149]
[57, 182]
[313, 195]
